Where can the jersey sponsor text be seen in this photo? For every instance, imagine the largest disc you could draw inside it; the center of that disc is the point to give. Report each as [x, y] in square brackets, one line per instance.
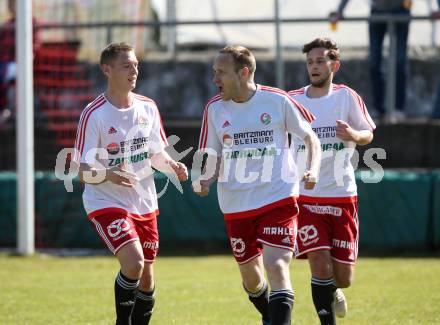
[344, 244]
[278, 231]
[324, 209]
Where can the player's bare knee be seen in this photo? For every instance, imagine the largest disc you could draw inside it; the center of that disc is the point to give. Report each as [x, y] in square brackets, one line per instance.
[343, 275]
[252, 284]
[343, 281]
[276, 269]
[320, 265]
[133, 269]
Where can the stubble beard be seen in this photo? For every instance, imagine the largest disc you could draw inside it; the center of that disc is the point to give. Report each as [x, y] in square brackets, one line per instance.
[322, 83]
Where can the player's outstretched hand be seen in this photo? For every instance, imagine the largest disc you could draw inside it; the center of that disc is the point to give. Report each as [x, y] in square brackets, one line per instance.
[119, 175]
[201, 187]
[180, 170]
[309, 180]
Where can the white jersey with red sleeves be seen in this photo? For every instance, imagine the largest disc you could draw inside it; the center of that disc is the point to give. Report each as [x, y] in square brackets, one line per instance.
[336, 177]
[258, 171]
[130, 135]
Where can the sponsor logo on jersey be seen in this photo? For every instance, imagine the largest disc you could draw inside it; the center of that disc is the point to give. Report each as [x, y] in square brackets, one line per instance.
[142, 122]
[286, 240]
[324, 147]
[151, 245]
[344, 244]
[113, 148]
[134, 144]
[117, 227]
[308, 235]
[265, 118]
[324, 209]
[351, 256]
[112, 130]
[238, 246]
[226, 124]
[325, 132]
[131, 160]
[227, 141]
[253, 137]
[284, 231]
[249, 153]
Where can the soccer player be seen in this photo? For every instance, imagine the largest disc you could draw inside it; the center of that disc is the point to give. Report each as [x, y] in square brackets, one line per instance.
[245, 133]
[119, 138]
[328, 214]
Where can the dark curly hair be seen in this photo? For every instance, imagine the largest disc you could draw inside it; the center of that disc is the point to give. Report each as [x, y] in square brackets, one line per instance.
[327, 43]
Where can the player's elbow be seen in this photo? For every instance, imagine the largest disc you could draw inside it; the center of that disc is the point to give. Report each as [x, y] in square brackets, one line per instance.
[366, 138]
[311, 140]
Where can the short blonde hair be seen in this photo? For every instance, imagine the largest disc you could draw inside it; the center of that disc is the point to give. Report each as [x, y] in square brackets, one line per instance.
[242, 57]
[111, 52]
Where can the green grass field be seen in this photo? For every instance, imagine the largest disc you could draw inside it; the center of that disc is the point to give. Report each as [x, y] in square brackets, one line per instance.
[207, 290]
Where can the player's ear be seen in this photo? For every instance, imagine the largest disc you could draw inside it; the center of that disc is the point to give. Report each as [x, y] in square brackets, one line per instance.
[105, 68]
[336, 65]
[244, 72]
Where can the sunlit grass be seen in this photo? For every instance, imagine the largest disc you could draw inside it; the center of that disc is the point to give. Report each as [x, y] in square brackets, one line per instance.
[207, 290]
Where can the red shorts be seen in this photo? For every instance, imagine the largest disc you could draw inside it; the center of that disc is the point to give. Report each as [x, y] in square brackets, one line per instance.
[276, 227]
[332, 226]
[118, 229]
